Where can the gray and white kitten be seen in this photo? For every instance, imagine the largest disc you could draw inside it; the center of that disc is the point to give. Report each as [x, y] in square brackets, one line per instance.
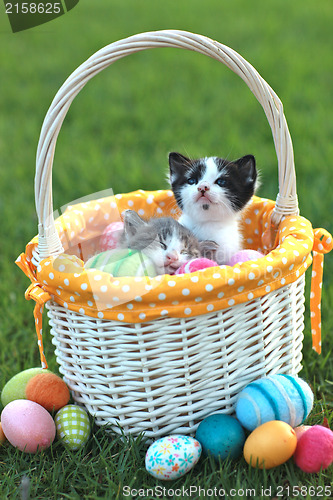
[212, 192]
[166, 242]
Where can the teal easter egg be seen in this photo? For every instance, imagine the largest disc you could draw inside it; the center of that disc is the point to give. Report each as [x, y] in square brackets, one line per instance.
[122, 262]
[171, 457]
[73, 426]
[15, 387]
[221, 436]
[276, 397]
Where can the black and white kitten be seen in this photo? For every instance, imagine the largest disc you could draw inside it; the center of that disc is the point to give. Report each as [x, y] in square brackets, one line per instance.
[212, 192]
[166, 242]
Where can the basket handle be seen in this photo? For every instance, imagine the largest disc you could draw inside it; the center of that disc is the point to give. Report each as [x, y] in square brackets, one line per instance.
[286, 203]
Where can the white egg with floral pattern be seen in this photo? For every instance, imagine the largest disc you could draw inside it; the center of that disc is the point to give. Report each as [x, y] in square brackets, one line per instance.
[171, 457]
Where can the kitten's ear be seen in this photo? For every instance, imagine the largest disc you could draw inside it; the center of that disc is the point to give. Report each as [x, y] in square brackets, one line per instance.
[247, 169]
[208, 249]
[178, 163]
[132, 222]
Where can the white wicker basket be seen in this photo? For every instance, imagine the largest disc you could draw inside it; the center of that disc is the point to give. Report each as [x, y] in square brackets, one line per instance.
[166, 375]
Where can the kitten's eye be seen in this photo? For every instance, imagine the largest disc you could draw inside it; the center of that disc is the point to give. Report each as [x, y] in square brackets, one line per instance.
[184, 251]
[163, 245]
[191, 181]
[221, 182]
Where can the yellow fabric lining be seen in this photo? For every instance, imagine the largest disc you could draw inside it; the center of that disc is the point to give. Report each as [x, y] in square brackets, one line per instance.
[135, 300]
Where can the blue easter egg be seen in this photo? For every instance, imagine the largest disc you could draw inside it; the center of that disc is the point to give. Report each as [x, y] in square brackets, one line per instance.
[276, 397]
[221, 436]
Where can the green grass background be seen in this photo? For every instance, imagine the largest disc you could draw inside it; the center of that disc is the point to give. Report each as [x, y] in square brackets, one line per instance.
[117, 135]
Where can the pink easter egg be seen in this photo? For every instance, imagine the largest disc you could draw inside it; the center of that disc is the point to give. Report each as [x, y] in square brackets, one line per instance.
[194, 265]
[27, 425]
[244, 256]
[110, 236]
[314, 449]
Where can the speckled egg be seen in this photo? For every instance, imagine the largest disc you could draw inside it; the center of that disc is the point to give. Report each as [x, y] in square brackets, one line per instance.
[73, 426]
[27, 425]
[221, 436]
[171, 457]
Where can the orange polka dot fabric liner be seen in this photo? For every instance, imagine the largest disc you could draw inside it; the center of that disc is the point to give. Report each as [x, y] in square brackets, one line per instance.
[135, 300]
[322, 244]
[40, 296]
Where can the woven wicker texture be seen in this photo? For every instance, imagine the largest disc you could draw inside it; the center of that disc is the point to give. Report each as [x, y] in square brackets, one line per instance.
[167, 372]
[167, 375]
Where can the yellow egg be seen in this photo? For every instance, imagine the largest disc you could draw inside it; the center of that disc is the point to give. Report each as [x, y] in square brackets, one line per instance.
[270, 444]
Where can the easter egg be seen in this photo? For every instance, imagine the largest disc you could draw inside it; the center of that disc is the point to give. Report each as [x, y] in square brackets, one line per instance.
[73, 426]
[221, 436]
[270, 444]
[314, 449]
[27, 425]
[244, 256]
[111, 235]
[194, 265]
[15, 387]
[276, 397]
[171, 457]
[48, 390]
[122, 262]
[2, 435]
[300, 430]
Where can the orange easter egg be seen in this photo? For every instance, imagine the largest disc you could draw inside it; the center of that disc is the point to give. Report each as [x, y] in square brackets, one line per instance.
[2, 435]
[48, 390]
[270, 444]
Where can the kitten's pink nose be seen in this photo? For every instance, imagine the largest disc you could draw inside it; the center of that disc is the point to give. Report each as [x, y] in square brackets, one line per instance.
[203, 187]
[171, 257]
